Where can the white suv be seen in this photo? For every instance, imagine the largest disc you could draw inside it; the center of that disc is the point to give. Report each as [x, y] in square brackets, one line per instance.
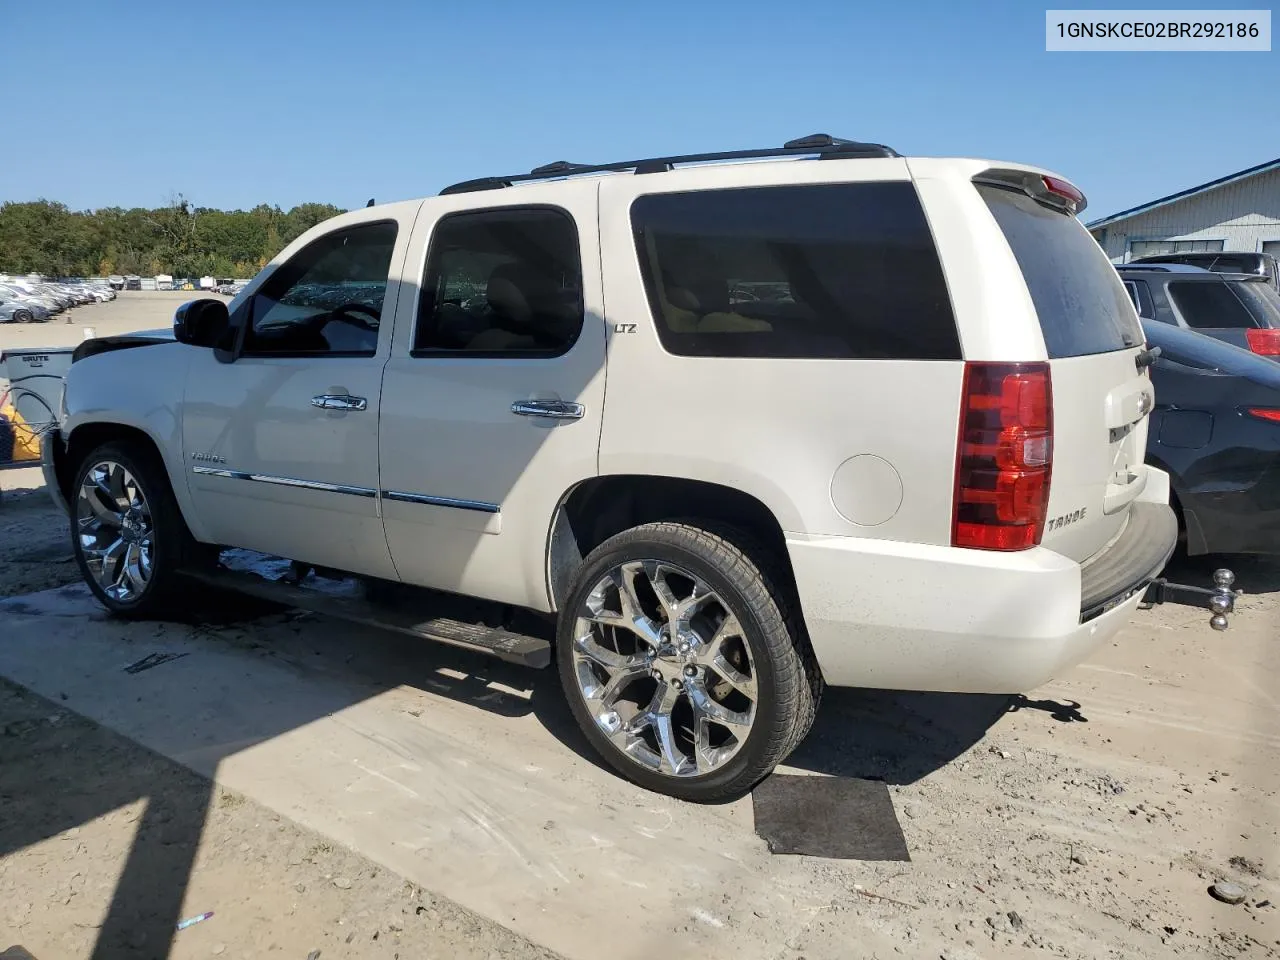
[737, 429]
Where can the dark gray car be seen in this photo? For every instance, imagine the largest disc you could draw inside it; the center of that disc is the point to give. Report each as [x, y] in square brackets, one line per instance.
[1241, 309]
[1220, 261]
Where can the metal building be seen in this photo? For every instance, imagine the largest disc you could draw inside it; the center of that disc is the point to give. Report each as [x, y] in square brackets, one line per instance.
[1240, 211]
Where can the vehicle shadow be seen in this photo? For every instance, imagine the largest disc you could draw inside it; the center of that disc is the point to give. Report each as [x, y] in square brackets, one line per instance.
[895, 736]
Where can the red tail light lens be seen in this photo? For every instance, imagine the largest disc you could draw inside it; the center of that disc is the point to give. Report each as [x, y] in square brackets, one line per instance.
[1265, 341]
[1264, 413]
[1004, 456]
[1061, 188]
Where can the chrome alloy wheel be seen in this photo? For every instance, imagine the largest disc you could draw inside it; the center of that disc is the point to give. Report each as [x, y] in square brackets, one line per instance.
[664, 669]
[113, 524]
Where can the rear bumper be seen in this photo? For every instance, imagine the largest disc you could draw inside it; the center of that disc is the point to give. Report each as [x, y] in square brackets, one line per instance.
[912, 617]
[1131, 562]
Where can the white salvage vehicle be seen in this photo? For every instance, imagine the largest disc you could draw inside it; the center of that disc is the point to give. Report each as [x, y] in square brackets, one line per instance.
[707, 434]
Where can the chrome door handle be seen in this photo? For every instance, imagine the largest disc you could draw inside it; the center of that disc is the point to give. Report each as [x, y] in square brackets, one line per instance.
[551, 409]
[330, 401]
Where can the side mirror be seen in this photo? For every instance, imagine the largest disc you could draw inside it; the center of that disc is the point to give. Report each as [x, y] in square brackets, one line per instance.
[201, 323]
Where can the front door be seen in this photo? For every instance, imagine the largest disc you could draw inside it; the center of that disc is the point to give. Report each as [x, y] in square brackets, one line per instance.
[493, 395]
[281, 445]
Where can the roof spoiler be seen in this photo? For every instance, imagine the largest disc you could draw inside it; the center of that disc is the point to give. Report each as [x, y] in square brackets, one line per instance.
[1044, 188]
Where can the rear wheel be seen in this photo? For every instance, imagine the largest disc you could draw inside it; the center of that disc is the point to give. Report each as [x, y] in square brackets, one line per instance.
[23, 316]
[128, 534]
[682, 663]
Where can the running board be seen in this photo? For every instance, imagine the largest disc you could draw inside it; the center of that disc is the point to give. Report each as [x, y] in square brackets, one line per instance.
[409, 611]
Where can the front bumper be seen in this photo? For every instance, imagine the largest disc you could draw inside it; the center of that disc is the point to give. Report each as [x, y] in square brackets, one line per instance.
[905, 616]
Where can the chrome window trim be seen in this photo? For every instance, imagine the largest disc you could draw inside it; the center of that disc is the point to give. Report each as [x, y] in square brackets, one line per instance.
[422, 499]
[286, 481]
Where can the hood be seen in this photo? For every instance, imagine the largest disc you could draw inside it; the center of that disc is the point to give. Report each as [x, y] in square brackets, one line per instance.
[123, 341]
[161, 333]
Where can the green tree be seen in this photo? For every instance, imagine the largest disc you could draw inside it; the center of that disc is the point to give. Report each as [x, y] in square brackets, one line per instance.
[43, 236]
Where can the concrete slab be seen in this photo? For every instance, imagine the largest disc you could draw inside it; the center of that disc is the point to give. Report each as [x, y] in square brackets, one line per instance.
[462, 774]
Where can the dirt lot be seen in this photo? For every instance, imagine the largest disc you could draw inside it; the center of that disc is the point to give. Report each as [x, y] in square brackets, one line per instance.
[311, 782]
[103, 836]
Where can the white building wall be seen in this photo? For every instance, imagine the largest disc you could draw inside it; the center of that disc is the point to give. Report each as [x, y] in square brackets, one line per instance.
[1242, 214]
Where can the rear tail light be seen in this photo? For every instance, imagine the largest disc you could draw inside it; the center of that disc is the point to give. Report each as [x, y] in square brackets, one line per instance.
[1265, 341]
[1004, 456]
[1265, 413]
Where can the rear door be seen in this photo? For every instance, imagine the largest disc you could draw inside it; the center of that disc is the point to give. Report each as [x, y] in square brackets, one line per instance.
[1101, 399]
[493, 396]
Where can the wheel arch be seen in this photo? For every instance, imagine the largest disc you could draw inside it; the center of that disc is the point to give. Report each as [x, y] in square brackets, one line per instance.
[87, 436]
[597, 508]
[1189, 524]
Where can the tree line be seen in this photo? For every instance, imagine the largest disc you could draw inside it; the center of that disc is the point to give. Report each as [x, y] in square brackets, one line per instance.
[180, 239]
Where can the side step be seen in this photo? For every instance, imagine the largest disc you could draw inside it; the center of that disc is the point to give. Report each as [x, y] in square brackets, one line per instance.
[418, 613]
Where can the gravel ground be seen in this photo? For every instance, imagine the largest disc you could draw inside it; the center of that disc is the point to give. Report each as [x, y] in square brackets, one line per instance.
[35, 549]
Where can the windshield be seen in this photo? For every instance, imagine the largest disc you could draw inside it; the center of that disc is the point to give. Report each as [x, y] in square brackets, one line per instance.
[1081, 304]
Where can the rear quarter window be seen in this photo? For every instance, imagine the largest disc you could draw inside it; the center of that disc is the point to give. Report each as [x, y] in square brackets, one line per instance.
[813, 271]
[1081, 304]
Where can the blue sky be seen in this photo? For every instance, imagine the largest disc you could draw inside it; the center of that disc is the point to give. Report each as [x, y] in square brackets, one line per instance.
[236, 103]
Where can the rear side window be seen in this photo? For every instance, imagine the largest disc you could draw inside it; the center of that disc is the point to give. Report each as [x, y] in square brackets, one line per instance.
[818, 271]
[1082, 306]
[502, 282]
[1210, 305]
[1141, 298]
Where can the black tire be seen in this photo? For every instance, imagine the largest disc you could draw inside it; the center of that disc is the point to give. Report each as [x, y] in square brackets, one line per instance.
[787, 678]
[173, 548]
[23, 316]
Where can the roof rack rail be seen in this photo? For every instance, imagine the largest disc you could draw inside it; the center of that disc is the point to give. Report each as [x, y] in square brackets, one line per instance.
[821, 145]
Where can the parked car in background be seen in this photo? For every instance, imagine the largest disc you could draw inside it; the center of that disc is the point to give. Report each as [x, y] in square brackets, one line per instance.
[15, 293]
[1223, 261]
[116, 282]
[1241, 309]
[13, 312]
[133, 283]
[1216, 432]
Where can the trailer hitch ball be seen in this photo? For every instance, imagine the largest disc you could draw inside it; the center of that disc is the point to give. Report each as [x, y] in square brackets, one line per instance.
[1223, 600]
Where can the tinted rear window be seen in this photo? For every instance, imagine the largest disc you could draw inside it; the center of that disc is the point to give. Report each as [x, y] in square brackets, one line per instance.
[1082, 306]
[1210, 305]
[819, 270]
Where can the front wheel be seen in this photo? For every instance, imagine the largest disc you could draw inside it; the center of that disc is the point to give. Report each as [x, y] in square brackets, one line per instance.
[682, 662]
[128, 534]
